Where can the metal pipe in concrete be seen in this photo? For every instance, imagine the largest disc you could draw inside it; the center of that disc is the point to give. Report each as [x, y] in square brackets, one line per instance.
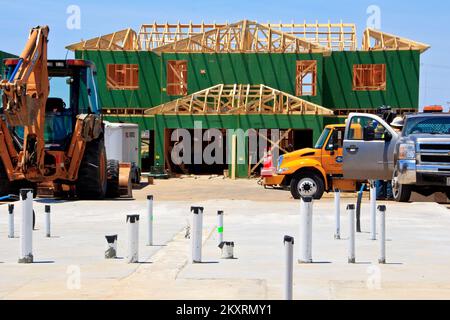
[149, 220]
[196, 237]
[352, 232]
[358, 211]
[11, 221]
[306, 220]
[382, 214]
[337, 212]
[47, 221]
[26, 227]
[111, 247]
[220, 226]
[373, 211]
[289, 272]
[133, 238]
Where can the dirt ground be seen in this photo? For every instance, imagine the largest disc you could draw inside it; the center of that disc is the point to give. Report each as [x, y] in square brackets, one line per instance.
[199, 188]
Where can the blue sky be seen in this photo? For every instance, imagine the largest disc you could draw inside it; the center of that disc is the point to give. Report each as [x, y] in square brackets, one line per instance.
[424, 21]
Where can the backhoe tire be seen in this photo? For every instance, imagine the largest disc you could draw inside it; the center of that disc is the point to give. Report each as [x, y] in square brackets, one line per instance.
[307, 184]
[447, 192]
[5, 184]
[92, 175]
[113, 190]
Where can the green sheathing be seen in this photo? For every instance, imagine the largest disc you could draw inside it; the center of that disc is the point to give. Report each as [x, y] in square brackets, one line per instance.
[161, 122]
[402, 75]
[4, 55]
[334, 76]
[274, 70]
[149, 93]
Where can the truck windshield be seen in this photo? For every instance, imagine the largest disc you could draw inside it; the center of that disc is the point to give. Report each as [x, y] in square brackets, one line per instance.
[322, 139]
[427, 125]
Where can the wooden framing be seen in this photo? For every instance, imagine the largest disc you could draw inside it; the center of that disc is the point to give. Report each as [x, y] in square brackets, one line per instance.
[306, 78]
[122, 76]
[334, 36]
[177, 84]
[374, 40]
[369, 77]
[244, 36]
[240, 99]
[117, 41]
[247, 36]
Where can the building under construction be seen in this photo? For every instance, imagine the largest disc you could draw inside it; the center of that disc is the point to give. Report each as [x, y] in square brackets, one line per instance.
[247, 75]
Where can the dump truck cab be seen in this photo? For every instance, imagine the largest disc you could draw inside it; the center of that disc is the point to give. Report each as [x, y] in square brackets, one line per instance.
[313, 171]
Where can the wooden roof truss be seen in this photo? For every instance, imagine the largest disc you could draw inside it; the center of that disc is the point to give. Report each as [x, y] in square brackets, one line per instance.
[240, 99]
[334, 36]
[117, 41]
[244, 36]
[374, 40]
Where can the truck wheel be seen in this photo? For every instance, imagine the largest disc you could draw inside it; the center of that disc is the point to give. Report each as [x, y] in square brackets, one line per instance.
[92, 178]
[307, 184]
[401, 192]
[112, 190]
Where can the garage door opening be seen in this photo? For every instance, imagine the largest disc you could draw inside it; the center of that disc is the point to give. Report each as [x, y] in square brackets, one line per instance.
[206, 152]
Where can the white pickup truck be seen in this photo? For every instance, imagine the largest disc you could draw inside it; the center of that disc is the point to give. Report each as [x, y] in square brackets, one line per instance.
[416, 159]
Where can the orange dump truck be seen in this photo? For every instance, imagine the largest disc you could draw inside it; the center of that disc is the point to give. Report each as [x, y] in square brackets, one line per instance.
[311, 172]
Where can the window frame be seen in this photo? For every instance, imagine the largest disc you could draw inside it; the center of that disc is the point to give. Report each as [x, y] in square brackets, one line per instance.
[177, 79]
[129, 72]
[369, 77]
[303, 69]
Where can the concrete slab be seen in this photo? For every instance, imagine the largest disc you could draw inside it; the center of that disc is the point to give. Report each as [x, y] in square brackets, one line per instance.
[71, 264]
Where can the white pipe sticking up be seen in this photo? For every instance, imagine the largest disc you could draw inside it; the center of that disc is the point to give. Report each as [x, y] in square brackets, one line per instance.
[11, 221]
[352, 231]
[382, 214]
[220, 227]
[133, 238]
[196, 237]
[47, 221]
[149, 220]
[373, 211]
[26, 228]
[289, 272]
[306, 221]
[337, 212]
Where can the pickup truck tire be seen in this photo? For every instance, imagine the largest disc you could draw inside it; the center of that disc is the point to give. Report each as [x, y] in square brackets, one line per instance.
[307, 184]
[401, 192]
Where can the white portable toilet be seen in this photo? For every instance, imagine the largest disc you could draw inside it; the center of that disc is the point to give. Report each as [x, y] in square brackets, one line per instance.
[122, 144]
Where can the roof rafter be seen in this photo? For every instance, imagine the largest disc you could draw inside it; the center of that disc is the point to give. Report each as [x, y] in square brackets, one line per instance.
[126, 39]
[243, 36]
[375, 40]
[239, 99]
[335, 36]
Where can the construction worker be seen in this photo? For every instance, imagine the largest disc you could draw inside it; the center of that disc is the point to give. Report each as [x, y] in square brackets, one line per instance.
[398, 124]
[384, 188]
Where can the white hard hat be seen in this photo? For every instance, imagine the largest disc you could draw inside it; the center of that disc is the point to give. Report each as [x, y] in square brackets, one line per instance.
[398, 122]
